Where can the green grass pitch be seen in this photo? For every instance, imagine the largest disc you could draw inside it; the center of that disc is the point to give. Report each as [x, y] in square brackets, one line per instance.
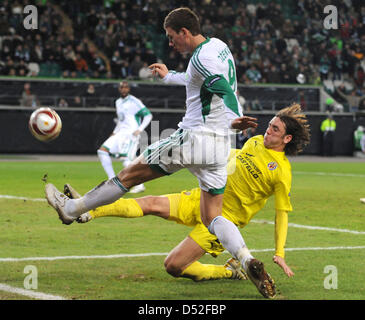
[324, 195]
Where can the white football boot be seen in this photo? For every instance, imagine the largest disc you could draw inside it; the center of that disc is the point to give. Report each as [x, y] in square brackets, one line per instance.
[58, 200]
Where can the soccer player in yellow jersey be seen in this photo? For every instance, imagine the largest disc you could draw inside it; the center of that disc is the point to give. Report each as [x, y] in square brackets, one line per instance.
[256, 172]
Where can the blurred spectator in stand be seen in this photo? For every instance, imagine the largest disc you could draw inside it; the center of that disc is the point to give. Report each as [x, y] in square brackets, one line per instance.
[352, 99]
[81, 65]
[286, 75]
[22, 69]
[77, 102]
[97, 66]
[359, 78]
[362, 105]
[256, 105]
[253, 75]
[330, 104]
[208, 28]
[62, 103]
[7, 66]
[254, 32]
[302, 100]
[28, 98]
[328, 128]
[135, 66]
[116, 64]
[172, 60]
[91, 99]
[273, 75]
[324, 67]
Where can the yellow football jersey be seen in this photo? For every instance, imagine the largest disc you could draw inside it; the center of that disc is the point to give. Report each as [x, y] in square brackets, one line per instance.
[256, 173]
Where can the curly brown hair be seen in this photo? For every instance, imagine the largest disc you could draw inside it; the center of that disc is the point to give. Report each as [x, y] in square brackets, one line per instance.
[296, 124]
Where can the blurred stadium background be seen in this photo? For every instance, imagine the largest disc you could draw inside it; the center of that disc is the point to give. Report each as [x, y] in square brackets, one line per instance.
[80, 50]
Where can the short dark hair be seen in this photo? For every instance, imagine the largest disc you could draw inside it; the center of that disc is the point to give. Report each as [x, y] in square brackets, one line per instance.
[296, 124]
[183, 18]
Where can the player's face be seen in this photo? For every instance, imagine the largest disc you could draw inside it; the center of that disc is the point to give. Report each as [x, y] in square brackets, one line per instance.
[177, 40]
[124, 90]
[275, 136]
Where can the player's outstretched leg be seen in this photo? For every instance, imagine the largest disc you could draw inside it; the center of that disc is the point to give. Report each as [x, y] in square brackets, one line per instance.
[260, 278]
[125, 208]
[70, 192]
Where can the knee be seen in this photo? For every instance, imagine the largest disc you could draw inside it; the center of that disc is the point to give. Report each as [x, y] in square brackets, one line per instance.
[147, 204]
[156, 203]
[172, 267]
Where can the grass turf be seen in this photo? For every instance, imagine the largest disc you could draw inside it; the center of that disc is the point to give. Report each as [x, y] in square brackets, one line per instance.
[323, 194]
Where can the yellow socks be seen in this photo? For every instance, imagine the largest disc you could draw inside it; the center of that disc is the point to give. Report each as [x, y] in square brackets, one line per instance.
[198, 272]
[126, 208]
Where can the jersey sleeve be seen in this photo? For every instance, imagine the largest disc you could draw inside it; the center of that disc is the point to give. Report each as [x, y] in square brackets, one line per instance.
[174, 77]
[282, 191]
[145, 122]
[281, 231]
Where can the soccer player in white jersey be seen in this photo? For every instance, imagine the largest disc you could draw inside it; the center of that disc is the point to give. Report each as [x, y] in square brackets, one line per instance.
[123, 142]
[201, 144]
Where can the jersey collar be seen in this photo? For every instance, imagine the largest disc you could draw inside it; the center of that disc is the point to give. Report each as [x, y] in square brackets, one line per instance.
[201, 44]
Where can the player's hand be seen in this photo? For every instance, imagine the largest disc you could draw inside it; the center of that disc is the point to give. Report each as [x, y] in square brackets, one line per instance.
[136, 133]
[159, 69]
[243, 123]
[282, 264]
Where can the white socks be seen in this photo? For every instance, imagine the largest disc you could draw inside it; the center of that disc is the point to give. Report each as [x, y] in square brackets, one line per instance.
[106, 162]
[105, 193]
[230, 237]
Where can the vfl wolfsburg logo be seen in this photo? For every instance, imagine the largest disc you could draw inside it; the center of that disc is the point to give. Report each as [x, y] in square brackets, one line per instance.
[272, 165]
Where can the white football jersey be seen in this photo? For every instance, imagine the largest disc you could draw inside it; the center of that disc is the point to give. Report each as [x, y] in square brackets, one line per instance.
[130, 112]
[206, 106]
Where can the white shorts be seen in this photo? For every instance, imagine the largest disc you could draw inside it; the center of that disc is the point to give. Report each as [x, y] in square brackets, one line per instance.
[122, 145]
[204, 154]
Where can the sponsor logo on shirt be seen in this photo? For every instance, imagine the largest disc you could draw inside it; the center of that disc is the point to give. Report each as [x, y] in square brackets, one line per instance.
[272, 165]
[249, 165]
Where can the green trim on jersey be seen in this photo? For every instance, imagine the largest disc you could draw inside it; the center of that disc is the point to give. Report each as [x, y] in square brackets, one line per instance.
[218, 85]
[196, 62]
[140, 114]
[217, 191]
[201, 44]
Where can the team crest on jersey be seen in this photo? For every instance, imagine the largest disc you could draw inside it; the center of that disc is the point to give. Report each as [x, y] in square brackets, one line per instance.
[272, 165]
